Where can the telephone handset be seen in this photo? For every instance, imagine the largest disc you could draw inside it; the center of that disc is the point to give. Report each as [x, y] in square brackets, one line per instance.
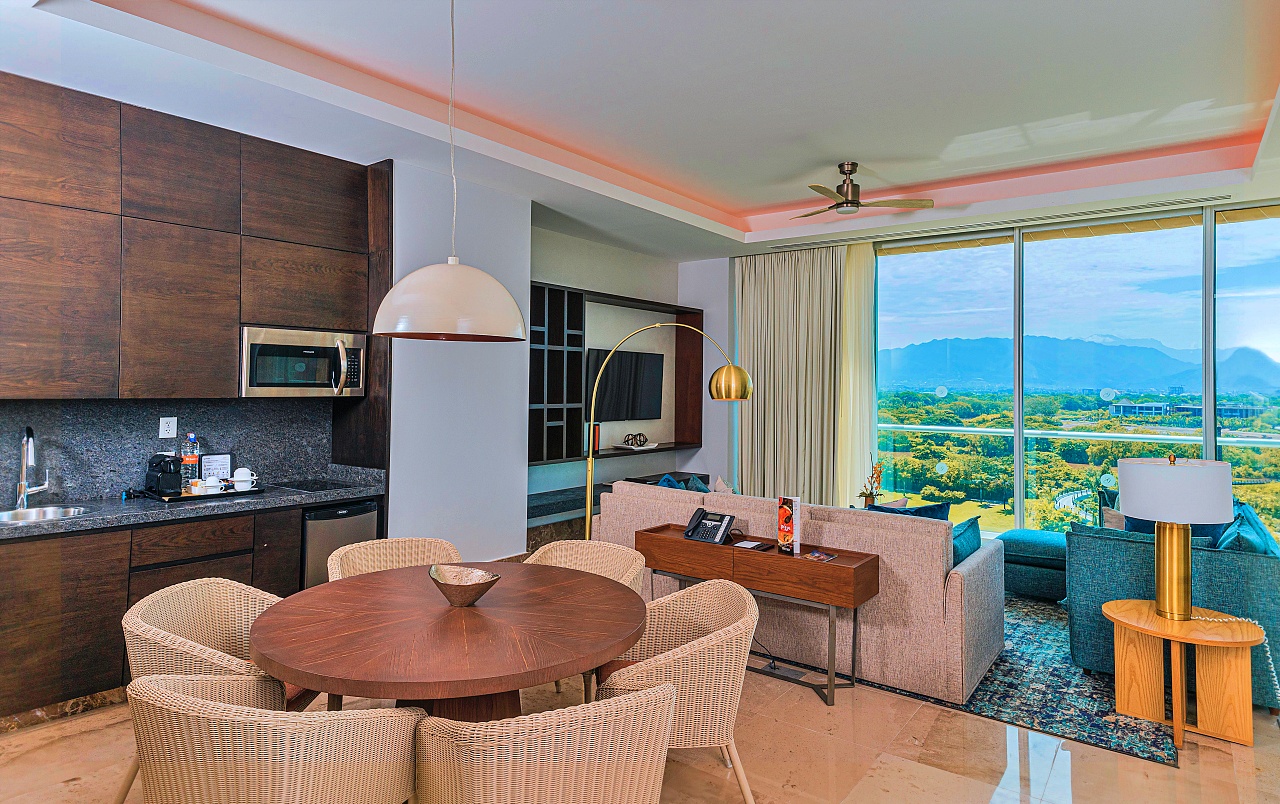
[709, 527]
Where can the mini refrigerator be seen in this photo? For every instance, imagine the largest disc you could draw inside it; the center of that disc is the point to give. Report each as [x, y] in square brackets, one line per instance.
[326, 529]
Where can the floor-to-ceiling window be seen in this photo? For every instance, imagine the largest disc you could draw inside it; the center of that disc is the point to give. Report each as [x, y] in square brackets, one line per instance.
[1248, 351]
[1111, 357]
[944, 376]
[1106, 331]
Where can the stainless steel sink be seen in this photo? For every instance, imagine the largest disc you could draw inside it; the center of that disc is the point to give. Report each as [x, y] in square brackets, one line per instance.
[19, 516]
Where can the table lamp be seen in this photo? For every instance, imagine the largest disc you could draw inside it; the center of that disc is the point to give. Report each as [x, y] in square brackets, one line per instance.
[1175, 493]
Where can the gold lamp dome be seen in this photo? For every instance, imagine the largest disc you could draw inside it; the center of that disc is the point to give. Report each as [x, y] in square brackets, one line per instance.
[730, 383]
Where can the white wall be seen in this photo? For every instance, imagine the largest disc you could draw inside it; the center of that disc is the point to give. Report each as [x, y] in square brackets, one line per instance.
[560, 259]
[459, 411]
[708, 284]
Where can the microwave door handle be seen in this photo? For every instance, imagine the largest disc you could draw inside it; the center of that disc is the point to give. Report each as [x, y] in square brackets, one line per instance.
[341, 384]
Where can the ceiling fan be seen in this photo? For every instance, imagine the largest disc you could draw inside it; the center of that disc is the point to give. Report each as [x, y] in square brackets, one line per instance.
[846, 198]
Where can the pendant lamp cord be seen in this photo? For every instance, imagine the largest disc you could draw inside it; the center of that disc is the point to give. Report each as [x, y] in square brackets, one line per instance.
[453, 171]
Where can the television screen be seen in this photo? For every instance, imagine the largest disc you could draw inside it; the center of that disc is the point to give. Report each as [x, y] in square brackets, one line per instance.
[631, 387]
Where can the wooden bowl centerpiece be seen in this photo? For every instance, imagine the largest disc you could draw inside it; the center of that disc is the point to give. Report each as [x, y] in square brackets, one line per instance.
[462, 586]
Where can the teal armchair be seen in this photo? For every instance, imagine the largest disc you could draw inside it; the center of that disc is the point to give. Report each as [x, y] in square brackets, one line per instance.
[1104, 565]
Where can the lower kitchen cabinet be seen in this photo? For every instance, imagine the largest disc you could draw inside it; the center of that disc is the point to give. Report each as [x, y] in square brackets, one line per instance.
[277, 552]
[60, 608]
[144, 582]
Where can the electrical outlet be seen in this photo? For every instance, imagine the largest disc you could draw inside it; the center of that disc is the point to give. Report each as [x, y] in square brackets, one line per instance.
[169, 427]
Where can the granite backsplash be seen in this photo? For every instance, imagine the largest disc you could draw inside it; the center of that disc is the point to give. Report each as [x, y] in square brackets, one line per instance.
[97, 448]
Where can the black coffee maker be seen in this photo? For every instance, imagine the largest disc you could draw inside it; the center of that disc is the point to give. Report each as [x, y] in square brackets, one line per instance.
[164, 475]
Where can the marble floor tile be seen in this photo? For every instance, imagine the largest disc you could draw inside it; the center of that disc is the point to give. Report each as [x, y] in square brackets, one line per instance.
[985, 750]
[869, 717]
[894, 780]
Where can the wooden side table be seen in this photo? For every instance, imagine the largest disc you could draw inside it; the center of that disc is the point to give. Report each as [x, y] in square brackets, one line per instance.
[847, 581]
[1224, 688]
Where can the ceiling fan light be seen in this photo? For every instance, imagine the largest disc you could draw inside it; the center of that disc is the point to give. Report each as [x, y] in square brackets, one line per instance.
[450, 302]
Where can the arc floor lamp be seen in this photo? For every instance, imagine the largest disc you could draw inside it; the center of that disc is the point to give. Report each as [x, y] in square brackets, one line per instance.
[729, 383]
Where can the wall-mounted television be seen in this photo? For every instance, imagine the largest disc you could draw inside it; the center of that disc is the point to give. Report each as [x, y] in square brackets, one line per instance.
[631, 387]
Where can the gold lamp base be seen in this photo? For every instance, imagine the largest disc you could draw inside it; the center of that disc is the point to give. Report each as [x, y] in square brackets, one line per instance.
[1173, 571]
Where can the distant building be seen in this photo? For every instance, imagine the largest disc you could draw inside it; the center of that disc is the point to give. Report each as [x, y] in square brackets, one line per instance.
[1127, 407]
[1177, 389]
[1225, 411]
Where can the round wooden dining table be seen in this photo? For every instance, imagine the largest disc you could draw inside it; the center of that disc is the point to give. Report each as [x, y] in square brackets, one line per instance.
[392, 634]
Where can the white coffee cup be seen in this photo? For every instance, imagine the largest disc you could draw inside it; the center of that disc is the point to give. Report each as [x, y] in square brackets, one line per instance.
[211, 485]
[244, 478]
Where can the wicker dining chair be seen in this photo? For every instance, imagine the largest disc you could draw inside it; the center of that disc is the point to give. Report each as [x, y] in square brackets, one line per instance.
[609, 752]
[206, 738]
[622, 564]
[197, 627]
[697, 639]
[385, 554]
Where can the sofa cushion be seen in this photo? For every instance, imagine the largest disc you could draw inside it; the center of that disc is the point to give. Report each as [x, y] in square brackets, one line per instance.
[1247, 534]
[1211, 532]
[694, 483]
[1204, 542]
[624, 489]
[966, 538]
[1035, 548]
[932, 511]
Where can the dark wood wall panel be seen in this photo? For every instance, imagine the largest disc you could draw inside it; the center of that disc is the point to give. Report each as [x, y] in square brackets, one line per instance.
[689, 389]
[178, 170]
[60, 282]
[362, 425]
[179, 312]
[277, 552]
[303, 197]
[60, 607]
[291, 285]
[58, 146]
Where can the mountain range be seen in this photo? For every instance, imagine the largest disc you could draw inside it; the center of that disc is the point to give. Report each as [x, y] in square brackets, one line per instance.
[1071, 364]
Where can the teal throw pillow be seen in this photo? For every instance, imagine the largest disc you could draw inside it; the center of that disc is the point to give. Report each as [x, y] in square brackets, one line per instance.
[694, 483]
[1205, 542]
[1248, 534]
[966, 538]
[669, 482]
[932, 511]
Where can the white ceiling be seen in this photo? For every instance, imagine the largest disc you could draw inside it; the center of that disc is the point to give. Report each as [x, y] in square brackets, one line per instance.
[740, 103]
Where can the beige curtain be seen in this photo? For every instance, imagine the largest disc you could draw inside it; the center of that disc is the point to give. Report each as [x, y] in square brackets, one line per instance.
[856, 410]
[788, 339]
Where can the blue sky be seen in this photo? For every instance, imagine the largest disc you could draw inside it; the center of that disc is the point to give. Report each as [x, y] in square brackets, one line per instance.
[1130, 286]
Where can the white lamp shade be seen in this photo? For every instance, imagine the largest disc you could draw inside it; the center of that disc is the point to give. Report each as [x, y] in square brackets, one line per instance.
[450, 302]
[1190, 492]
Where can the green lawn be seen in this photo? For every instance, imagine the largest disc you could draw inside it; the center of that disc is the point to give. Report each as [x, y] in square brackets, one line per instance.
[992, 517]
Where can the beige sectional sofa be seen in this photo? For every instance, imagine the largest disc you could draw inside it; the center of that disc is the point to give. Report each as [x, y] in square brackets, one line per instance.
[933, 629]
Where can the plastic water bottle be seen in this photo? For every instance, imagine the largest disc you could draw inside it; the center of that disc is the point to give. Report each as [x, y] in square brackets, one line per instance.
[191, 459]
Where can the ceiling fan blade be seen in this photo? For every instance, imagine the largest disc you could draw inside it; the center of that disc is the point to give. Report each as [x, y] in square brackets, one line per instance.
[811, 214]
[827, 191]
[902, 203]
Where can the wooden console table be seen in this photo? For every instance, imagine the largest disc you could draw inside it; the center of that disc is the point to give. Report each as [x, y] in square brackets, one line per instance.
[846, 581]
[1224, 688]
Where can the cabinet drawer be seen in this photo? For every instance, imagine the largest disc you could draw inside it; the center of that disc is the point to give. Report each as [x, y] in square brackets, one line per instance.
[236, 568]
[187, 540]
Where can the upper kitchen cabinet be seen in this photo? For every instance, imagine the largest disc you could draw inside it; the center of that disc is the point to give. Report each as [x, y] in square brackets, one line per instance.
[302, 197]
[178, 170]
[179, 311]
[60, 279]
[290, 285]
[58, 146]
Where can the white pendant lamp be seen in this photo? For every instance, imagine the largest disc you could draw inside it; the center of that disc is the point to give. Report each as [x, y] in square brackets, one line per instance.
[450, 301]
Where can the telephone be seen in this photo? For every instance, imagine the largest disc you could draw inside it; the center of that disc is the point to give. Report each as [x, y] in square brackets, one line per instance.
[709, 527]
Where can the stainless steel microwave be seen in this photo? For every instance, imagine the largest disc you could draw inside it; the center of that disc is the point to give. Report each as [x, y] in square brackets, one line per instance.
[301, 362]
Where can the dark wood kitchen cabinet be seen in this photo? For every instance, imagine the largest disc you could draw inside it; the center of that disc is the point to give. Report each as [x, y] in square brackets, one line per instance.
[303, 197]
[60, 279]
[277, 552]
[179, 312]
[291, 285]
[234, 568]
[60, 607]
[178, 170]
[183, 541]
[58, 146]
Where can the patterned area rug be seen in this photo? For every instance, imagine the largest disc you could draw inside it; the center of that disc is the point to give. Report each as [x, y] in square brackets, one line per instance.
[1034, 684]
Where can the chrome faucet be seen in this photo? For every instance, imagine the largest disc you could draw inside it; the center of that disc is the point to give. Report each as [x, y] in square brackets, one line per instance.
[28, 460]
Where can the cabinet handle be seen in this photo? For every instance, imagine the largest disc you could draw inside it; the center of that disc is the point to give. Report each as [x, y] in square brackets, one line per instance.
[341, 385]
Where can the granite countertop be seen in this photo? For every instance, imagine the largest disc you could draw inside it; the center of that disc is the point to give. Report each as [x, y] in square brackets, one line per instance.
[110, 514]
[560, 501]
